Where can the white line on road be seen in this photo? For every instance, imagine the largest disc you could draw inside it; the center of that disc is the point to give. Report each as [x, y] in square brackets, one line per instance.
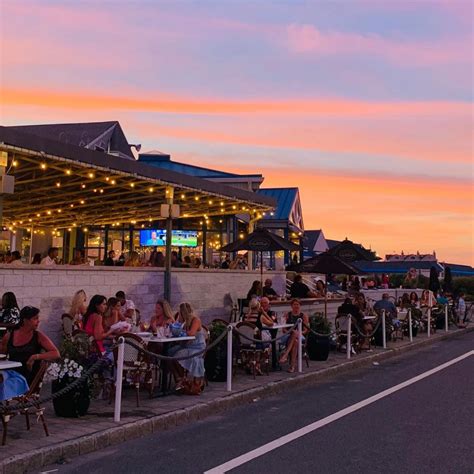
[245, 458]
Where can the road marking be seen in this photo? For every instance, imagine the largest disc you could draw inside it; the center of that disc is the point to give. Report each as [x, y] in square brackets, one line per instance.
[266, 448]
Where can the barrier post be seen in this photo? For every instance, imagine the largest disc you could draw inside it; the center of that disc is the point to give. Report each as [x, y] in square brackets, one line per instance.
[446, 317]
[384, 334]
[300, 345]
[410, 329]
[118, 380]
[229, 358]
[429, 322]
[349, 337]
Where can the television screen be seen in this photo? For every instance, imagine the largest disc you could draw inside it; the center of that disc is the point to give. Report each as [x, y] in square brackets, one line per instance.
[157, 237]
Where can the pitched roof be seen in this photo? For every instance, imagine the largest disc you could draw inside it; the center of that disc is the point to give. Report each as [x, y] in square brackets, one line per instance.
[310, 238]
[135, 179]
[92, 135]
[332, 243]
[285, 198]
[459, 270]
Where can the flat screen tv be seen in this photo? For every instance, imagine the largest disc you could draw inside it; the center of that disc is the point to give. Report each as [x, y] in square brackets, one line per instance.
[157, 237]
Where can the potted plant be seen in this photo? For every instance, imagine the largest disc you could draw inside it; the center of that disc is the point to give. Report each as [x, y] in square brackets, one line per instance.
[318, 345]
[215, 360]
[75, 402]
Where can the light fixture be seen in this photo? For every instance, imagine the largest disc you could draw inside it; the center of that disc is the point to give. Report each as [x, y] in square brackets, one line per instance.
[58, 184]
[14, 163]
[150, 189]
[132, 185]
[82, 201]
[83, 186]
[90, 175]
[68, 172]
[183, 196]
[113, 181]
[43, 166]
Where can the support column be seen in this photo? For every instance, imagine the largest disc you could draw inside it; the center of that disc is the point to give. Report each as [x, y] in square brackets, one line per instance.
[169, 230]
[250, 262]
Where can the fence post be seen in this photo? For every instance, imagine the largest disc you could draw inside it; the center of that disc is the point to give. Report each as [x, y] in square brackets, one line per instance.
[446, 317]
[429, 322]
[118, 380]
[229, 358]
[384, 333]
[300, 345]
[410, 329]
[349, 336]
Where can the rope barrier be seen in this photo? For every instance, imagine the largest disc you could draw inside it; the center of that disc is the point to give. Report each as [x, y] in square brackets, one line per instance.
[79, 381]
[163, 357]
[266, 341]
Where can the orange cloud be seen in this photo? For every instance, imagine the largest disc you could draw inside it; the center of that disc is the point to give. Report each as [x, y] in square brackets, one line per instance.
[169, 103]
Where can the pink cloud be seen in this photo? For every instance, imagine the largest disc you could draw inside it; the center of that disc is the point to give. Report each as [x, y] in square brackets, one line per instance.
[307, 39]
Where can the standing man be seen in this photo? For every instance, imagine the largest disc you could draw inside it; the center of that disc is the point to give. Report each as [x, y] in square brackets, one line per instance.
[50, 259]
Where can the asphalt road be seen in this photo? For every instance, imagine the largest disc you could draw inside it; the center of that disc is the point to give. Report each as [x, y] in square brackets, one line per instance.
[426, 427]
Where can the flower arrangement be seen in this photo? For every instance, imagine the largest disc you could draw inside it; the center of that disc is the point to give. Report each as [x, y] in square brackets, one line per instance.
[67, 368]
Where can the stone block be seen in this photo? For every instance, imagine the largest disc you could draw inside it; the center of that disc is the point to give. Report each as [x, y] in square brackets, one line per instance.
[81, 280]
[116, 435]
[50, 280]
[70, 449]
[96, 280]
[13, 281]
[86, 444]
[51, 454]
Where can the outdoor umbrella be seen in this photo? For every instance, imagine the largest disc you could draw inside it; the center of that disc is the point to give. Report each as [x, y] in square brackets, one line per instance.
[434, 280]
[325, 264]
[261, 240]
[448, 280]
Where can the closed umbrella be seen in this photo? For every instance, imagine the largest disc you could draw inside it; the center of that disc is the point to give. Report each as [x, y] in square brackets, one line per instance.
[261, 240]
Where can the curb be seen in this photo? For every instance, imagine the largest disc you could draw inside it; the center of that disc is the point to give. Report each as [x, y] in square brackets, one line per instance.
[34, 460]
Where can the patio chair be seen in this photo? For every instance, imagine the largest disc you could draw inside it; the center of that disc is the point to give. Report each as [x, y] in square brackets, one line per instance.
[220, 321]
[340, 325]
[137, 366]
[32, 396]
[234, 308]
[400, 329]
[250, 358]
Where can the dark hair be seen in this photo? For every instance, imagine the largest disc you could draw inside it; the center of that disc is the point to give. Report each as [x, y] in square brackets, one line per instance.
[52, 249]
[16, 255]
[120, 294]
[297, 278]
[36, 258]
[9, 300]
[111, 252]
[112, 302]
[28, 312]
[95, 301]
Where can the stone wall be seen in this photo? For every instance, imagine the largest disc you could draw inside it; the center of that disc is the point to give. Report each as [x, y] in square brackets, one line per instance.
[51, 288]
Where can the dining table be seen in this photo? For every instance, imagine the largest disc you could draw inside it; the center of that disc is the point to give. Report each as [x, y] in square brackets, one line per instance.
[274, 332]
[164, 343]
[9, 364]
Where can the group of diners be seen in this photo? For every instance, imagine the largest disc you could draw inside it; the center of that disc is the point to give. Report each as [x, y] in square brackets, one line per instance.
[261, 315]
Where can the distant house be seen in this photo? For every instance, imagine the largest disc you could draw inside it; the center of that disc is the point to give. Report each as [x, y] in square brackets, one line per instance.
[314, 243]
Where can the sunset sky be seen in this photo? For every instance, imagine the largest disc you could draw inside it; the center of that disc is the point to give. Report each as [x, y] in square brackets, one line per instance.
[365, 105]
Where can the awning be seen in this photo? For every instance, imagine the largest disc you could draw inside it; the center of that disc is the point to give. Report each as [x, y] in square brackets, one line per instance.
[62, 185]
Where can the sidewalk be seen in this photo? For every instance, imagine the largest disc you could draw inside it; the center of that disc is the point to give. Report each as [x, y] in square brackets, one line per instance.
[26, 451]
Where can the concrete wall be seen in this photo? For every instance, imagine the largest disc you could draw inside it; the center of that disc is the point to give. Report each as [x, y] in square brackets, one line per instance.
[51, 288]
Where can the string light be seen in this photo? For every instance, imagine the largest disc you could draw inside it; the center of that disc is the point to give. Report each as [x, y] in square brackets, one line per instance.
[68, 172]
[183, 196]
[82, 201]
[58, 184]
[107, 179]
[14, 163]
[83, 186]
[90, 175]
[132, 185]
[43, 166]
[210, 203]
[101, 191]
[48, 212]
[150, 189]
[196, 198]
[113, 181]
[71, 205]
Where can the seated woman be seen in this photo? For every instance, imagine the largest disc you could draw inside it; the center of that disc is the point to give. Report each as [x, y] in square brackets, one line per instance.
[28, 345]
[291, 340]
[112, 313]
[255, 291]
[259, 316]
[414, 299]
[425, 298]
[405, 302]
[162, 318]
[73, 320]
[9, 311]
[320, 289]
[195, 365]
[253, 311]
[93, 321]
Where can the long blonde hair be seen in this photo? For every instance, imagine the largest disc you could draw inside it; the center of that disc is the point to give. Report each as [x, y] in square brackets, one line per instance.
[187, 314]
[167, 311]
[78, 302]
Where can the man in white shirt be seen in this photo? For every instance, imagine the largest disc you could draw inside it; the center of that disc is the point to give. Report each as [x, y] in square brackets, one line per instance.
[16, 259]
[127, 307]
[50, 259]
